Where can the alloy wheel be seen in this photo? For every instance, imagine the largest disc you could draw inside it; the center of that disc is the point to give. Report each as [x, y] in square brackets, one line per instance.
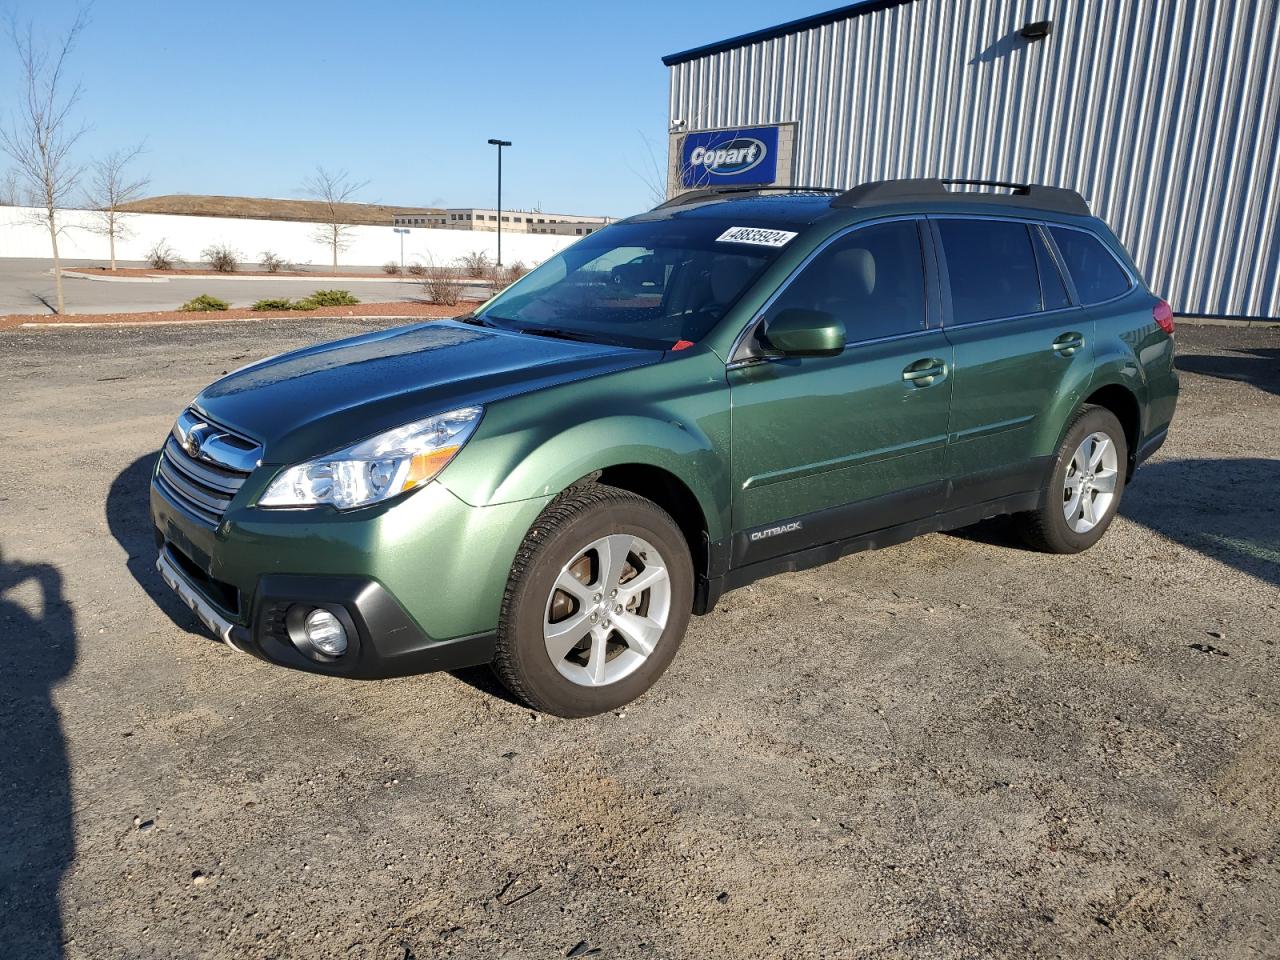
[1089, 489]
[607, 610]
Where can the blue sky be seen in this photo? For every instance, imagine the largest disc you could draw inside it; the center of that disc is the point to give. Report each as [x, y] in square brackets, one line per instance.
[245, 98]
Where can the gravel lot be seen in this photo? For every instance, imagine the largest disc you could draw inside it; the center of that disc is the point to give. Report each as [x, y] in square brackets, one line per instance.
[951, 748]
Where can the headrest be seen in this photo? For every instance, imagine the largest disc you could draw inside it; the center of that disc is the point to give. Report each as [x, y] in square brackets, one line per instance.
[858, 267]
[728, 276]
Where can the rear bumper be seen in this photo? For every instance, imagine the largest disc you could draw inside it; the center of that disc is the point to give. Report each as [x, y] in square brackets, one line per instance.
[1150, 445]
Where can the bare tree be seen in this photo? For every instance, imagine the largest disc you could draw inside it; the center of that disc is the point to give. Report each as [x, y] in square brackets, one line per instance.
[41, 137]
[334, 190]
[110, 187]
[11, 190]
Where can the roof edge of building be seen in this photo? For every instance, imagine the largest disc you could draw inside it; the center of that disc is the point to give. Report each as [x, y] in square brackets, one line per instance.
[783, 29]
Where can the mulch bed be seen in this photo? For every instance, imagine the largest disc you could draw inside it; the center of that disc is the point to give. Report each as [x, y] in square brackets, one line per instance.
[409, 308]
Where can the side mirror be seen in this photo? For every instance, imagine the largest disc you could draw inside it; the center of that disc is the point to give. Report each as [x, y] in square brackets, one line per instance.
[805, 333]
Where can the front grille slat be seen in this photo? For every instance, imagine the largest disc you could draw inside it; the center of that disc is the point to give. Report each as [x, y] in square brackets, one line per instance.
[202, 473]
[204, 486]
[211, 500]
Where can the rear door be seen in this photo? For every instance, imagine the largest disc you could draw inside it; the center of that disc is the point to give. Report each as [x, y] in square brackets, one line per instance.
[1023, 353]
[825, 448]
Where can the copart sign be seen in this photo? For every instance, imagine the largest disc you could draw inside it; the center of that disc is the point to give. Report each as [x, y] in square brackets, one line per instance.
[748, 155]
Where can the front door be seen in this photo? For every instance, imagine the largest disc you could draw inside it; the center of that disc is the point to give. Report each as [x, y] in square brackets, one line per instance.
[825, 448]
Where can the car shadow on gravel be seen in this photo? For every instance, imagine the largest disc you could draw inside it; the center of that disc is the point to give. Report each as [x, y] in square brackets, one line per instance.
[1259, 367]
[37, 842]
[129, 519]
[1224, 508]
[1227, 509]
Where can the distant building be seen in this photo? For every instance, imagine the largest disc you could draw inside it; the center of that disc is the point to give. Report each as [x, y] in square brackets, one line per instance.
[514, 221]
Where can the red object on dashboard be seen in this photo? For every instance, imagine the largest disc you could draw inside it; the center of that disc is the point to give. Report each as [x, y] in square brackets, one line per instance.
[682, 345]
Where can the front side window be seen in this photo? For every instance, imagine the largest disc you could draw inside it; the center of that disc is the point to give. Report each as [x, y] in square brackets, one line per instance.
[647, 284]
[872, 279]
[992, 269]
[1093, 270]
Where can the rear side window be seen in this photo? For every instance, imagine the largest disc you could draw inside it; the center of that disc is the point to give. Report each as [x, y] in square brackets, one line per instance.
[872, 279]
[1093, 269]
[992, 268]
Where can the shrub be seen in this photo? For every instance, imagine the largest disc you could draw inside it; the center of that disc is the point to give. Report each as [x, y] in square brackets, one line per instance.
[442, 285]
[274, 303]
[513, 272]
[332, 298]
[161, 256]
[272, 262]
[417, 270]
[222, 258]
[476, 263]
[391, 268]
[205, 303]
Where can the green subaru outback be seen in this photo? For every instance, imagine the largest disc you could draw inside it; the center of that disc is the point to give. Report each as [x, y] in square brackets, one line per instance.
[732, 385]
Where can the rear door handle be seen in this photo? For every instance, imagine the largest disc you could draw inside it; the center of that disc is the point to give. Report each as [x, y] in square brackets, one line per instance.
[925, 372]
[1068, 343]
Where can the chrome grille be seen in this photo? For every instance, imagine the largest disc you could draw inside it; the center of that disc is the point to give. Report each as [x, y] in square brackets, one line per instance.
[203, 466]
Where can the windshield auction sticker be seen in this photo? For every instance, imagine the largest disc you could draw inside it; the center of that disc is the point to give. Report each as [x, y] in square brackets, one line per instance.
[757, 235]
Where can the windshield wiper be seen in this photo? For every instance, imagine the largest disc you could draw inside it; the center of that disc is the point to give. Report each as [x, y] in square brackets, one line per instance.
[560, 333]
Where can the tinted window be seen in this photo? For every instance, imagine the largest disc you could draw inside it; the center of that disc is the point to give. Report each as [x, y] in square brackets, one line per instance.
[1094, 271]
[992, 269]
[1052, 288]
[872, 279]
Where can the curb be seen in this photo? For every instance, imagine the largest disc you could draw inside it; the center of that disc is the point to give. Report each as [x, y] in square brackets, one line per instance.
[1227, 322]
[156, 278]
[183, 323]
[76, 275]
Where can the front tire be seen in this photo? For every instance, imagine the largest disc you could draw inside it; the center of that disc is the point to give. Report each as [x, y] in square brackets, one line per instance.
[597, 603]
[1085, 487]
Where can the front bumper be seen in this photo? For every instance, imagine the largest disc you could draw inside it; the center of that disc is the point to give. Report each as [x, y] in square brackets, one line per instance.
[417, 583]
[384, 642]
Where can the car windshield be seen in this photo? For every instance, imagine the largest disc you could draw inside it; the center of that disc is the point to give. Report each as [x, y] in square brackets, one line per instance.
[648, 284]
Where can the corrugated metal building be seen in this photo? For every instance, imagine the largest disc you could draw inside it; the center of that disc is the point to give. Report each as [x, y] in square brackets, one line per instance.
[1165, 114]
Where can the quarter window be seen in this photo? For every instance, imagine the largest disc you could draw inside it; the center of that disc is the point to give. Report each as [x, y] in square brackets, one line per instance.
[992, 269]
[1093, 270]
[872, 279]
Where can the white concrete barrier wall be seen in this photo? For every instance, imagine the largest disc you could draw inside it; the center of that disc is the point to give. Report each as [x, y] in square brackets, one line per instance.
[294, 241]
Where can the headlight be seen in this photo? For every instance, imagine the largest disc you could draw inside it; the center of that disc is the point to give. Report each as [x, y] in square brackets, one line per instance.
[378, 468]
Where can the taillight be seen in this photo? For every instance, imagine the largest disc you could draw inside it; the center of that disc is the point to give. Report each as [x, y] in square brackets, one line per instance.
[1162, 314]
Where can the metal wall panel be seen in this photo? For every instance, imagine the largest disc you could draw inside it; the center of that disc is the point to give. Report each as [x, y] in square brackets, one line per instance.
[1165, 114]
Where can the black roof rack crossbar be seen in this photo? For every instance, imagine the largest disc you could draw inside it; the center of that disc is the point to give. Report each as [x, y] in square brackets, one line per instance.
[708, 193]
[932, 189]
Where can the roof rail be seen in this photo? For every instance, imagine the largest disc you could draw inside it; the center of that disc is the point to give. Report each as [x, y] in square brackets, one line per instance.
[1057, 199]
[709, 193]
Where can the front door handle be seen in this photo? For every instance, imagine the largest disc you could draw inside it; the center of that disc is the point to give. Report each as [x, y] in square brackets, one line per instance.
[1068, 343]
[925, 372]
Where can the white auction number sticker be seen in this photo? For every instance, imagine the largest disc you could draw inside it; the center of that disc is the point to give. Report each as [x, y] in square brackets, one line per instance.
[760, 236]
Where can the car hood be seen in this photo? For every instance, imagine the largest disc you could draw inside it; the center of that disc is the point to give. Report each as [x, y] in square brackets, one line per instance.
[312, 401]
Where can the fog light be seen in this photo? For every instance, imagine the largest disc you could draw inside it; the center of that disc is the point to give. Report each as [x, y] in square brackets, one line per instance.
[324, 634]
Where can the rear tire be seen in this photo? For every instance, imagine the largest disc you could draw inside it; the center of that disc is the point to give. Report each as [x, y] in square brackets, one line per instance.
[574, 639]
[1084, 489]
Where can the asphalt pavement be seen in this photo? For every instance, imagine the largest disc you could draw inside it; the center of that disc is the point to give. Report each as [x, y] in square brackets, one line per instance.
[27, 286]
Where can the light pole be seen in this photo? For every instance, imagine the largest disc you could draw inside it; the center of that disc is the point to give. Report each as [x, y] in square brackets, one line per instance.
[402, 231]
[500, 144]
